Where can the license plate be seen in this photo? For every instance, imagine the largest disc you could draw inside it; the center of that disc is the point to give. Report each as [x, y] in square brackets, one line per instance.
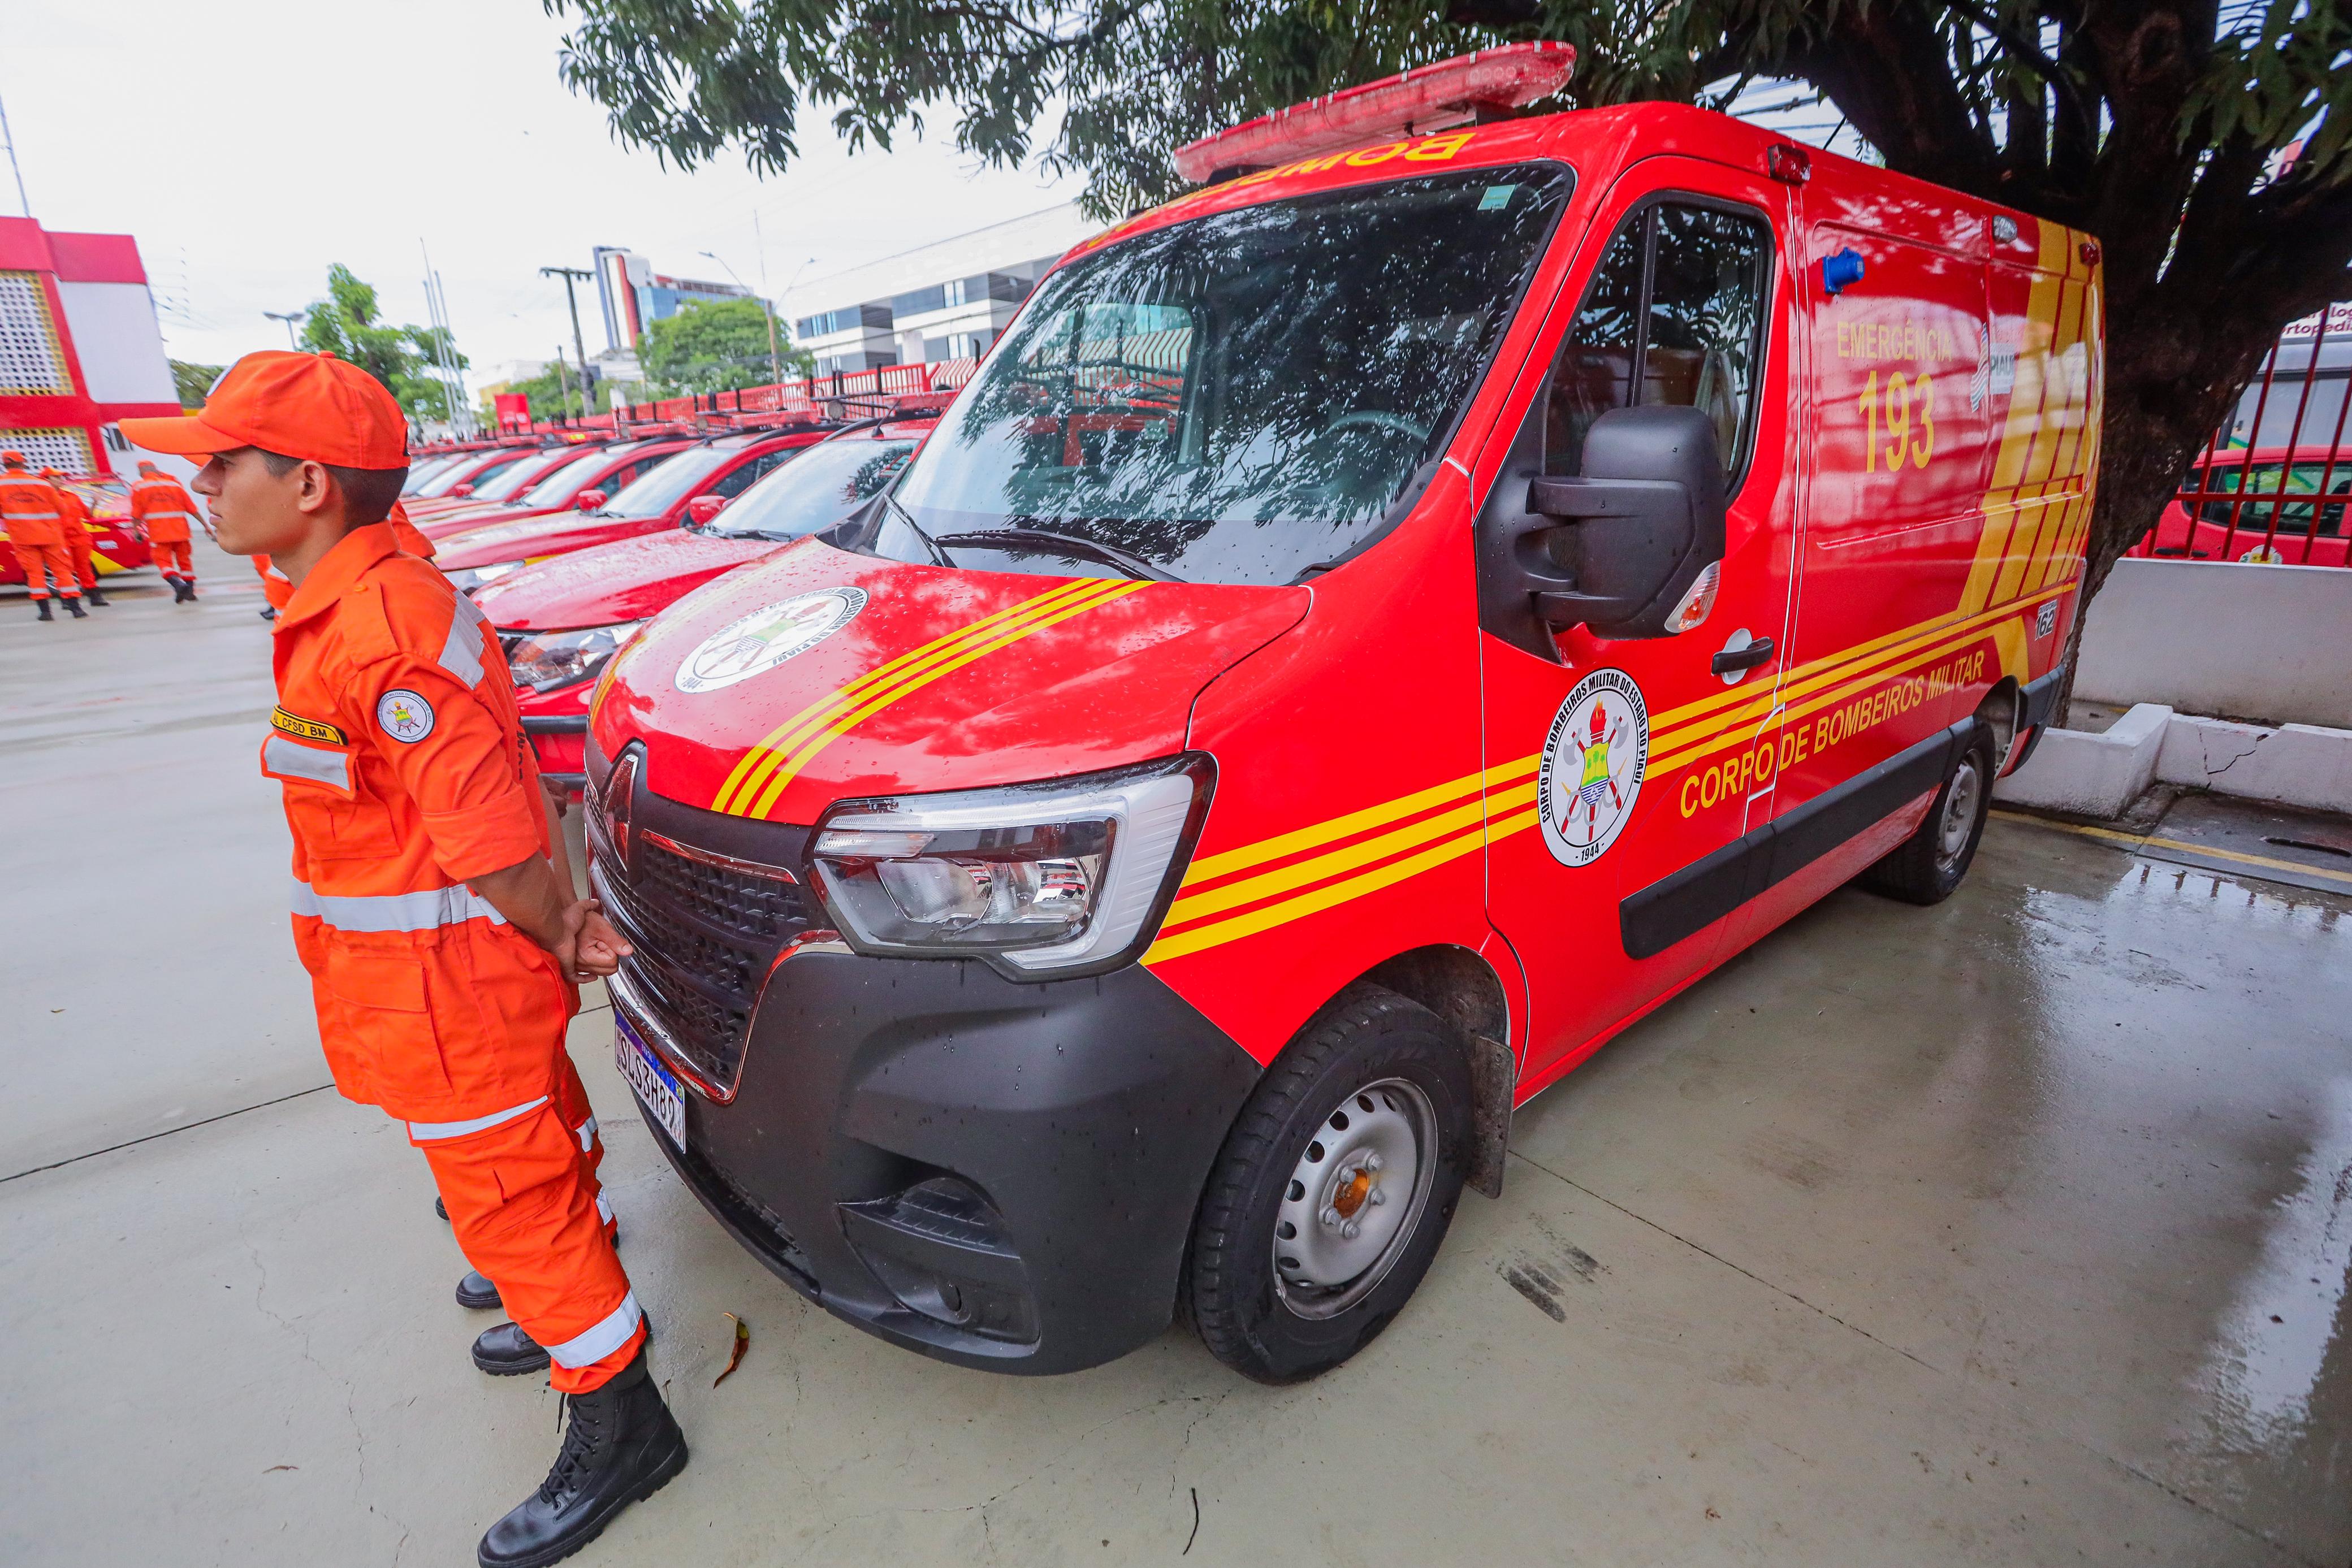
[656, 1088]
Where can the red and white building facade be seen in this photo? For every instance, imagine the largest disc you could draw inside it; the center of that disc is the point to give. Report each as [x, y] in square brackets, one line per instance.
[79, 347]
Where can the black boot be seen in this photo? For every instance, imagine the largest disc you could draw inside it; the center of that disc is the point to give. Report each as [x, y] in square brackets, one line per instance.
[622, 1445]
[43, 606]
[94, 596]
[439, 1206]
[73, 609]
[190, 584]
[507, 1351]
[475, 1291]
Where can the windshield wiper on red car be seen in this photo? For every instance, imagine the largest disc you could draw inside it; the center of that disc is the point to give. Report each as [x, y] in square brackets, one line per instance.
[1046, 542]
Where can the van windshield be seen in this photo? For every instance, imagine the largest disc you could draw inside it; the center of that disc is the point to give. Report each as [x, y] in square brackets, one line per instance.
[814, 492]
[1241, 398]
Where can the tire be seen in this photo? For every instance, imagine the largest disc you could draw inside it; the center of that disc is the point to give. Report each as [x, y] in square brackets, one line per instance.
[1372, 1083]
[1929, 866]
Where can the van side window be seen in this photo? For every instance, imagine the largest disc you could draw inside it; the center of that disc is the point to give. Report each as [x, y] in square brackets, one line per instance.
[1675, 315]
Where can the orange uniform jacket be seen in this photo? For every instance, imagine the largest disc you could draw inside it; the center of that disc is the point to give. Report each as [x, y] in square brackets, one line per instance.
[400, 749]
[276, 589]
[73, 526]
[161, 510]
[30, 509]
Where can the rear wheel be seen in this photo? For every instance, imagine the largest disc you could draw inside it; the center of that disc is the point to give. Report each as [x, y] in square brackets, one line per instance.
[1333, 1190]
[1928, 865]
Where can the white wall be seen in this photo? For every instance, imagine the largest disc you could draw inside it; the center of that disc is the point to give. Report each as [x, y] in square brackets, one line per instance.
[115, 337]
[2267, 642]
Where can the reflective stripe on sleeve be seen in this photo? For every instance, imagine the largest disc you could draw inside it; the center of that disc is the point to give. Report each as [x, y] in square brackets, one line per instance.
[587, 1349]
[432, 1131]
[461, 655]
[587, 1130]
[295, 760]
[603, 1208]
[426, 911]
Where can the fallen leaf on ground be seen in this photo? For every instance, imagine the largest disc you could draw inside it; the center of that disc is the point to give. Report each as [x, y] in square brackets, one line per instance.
[274, 1468]
[742, 1344]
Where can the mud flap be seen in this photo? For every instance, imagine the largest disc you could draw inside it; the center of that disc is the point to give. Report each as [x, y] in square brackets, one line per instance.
[1494, 1074]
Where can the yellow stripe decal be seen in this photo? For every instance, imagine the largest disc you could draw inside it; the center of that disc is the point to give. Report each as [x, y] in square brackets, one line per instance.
[763, 759]
[802, 753]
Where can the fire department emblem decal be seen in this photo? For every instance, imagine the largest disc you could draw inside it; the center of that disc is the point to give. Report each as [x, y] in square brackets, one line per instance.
[404, 715]
[767, 637]
[1593, 760]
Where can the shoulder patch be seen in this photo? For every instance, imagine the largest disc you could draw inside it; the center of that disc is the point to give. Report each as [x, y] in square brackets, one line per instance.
[307, 728]
[404, 715]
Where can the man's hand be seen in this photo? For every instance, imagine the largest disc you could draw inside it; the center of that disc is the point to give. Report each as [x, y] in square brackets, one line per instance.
[590, 949]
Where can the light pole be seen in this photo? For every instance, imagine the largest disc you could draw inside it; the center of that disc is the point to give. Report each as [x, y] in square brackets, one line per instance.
[9, 138]
[775, 360]
[568, 274]
[290, 318]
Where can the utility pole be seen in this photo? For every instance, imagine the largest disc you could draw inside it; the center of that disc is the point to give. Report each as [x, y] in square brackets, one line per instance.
[563, 381]
[9, 136]
[290, 318]
[444, 349]
[569, 274]
[775, 360]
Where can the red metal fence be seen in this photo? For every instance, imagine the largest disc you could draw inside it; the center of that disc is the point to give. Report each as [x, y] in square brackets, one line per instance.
[805, 396]
[2263, 489]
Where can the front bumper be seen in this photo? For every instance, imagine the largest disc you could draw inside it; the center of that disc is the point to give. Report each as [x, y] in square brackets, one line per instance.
[998, 1174]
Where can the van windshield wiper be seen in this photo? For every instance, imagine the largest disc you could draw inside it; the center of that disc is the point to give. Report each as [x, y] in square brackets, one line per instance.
[1047, 541]
[938, 555]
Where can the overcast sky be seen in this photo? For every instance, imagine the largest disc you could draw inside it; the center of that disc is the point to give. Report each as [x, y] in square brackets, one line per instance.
[249, 143]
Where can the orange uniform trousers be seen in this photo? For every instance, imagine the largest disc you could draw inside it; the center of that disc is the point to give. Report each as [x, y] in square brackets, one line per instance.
[78, 545]
[51, 558]
[171, 557]
[527, 1215]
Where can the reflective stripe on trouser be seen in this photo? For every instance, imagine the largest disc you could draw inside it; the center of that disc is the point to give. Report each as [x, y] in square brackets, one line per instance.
[428, 910]
[35, 558]
[172, 558]
[520, 1205]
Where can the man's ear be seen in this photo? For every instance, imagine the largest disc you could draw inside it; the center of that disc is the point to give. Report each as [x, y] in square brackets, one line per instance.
[316, 490]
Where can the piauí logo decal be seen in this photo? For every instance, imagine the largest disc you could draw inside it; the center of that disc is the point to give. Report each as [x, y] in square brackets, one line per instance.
[761, 641]
[1593, 760]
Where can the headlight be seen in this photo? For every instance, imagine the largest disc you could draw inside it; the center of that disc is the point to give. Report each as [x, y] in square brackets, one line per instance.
[546, 660]
[1069, 875]
[468, 577]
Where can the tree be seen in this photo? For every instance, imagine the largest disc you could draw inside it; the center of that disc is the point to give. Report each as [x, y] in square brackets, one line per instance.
[712, 345]
[345, 324]
[2204, 142]
[192, 382]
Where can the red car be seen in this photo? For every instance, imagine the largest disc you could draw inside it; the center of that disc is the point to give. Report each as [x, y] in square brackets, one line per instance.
[2278, 524]
[723, 466]
[560, 620]
[605, 469]
[1372, 628]
[471, 468]
[112, 545]
[503, 485]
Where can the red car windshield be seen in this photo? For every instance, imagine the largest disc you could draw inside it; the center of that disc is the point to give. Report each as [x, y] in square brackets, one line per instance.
[507, 483]
[558, 487]
[659, 491]
[814, 491]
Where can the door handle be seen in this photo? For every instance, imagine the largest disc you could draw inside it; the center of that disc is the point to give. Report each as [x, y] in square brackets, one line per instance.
[1732, 660]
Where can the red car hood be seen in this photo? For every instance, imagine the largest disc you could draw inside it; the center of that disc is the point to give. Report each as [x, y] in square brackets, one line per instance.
[535, 537]
[627, 580]
[926, 679]
[440, 526]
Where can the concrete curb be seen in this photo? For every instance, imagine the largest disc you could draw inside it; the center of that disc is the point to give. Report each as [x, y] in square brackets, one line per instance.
[2090, 775]
[2101, 775]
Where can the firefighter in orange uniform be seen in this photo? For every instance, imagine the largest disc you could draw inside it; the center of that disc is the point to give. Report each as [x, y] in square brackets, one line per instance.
[442, 953]
[162, 512]
[73, 526]
[31, 512]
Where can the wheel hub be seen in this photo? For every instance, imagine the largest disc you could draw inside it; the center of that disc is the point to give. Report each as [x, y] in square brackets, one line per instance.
[1959, 813]
[1349, 1210]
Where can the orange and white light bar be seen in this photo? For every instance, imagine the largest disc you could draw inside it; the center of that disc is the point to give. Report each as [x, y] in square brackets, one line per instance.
[1425, 99]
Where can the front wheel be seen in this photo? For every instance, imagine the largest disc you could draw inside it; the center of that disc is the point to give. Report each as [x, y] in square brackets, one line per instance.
[1333, 1190]
[1927, 868]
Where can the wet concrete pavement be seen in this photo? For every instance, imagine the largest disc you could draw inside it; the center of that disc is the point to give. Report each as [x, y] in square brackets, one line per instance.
[2011, 1231]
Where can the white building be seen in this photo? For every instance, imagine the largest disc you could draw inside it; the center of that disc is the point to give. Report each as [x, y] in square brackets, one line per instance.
[947, 300]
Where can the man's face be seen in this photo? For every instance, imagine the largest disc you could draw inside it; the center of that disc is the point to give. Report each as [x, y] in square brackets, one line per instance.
[256, 512]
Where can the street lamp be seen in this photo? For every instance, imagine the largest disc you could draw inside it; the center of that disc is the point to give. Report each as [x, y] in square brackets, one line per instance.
[775, 360]
[290, 318]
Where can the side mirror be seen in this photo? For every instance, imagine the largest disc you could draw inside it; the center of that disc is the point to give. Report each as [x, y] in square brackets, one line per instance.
[459, 492]
[702, 508]
[1620, 549]
[590, 500]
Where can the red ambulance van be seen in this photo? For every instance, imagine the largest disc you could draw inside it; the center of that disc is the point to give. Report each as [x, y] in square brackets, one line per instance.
[1372, 629]
[560, 620]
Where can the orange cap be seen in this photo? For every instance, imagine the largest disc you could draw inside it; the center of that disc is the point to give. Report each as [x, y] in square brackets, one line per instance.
[296, 405]
[15, 457]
